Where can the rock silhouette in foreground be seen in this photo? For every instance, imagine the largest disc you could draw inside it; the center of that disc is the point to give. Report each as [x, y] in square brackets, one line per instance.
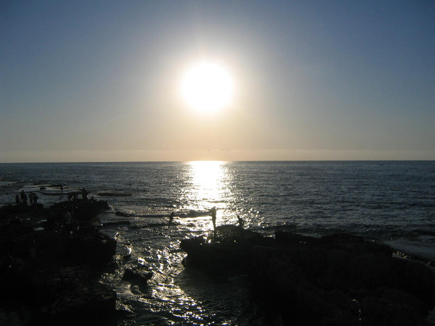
[338, 279]
[49, 275]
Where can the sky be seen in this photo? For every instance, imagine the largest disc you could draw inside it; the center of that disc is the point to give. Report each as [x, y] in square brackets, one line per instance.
[92, 81]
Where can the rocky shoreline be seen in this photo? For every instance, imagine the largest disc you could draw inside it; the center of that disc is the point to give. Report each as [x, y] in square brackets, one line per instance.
[338, 279]
[50, 271]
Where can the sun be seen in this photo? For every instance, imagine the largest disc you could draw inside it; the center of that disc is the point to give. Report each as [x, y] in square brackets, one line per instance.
[207, 87]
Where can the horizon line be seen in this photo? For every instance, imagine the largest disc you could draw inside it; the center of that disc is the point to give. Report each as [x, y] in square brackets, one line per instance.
[228, 161]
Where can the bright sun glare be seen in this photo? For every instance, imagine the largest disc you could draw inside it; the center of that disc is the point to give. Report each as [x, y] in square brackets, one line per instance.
[207, 87]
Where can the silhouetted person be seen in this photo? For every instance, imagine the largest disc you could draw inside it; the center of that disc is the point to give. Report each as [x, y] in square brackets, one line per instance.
[213, 218]
[23, 197]
[35, 199]
[171, 219]
[241, 222]
[17, 199]
[84, 194]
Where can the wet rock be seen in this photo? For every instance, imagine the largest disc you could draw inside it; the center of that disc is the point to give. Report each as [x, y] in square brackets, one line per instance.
[137, 277]
[122, 213]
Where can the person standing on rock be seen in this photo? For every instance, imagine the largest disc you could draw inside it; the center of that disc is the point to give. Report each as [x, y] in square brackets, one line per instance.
[85, 194]
[23, 197]
[171, 219]
[213, 218]
[240, 221]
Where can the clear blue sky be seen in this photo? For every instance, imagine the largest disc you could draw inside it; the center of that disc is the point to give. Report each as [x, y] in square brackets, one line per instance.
[313, 80]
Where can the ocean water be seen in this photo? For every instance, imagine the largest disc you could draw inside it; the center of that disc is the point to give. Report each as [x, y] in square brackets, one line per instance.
[391, 201]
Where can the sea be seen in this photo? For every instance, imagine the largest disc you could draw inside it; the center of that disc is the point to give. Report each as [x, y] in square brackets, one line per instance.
[392, 202]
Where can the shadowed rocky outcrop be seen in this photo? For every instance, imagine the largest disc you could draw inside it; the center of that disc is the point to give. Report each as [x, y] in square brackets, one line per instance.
[338, 279]
[49, 275]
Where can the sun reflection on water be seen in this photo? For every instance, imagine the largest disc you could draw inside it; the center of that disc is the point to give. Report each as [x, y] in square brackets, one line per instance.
[207, 187]
[175, 295]
[207, 181]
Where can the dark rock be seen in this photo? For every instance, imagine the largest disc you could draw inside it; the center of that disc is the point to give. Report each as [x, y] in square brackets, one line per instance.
[84, 210]
[227, 253]
[94, 249]
[376, 271]
[138, 277]
[72, 298]
[380, 312]
[334, 280]
[49, 275]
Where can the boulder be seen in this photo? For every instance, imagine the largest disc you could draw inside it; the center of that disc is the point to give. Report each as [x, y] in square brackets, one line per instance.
[137, 277]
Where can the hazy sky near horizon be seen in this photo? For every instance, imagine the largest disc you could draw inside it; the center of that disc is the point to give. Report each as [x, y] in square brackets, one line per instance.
[313, 80]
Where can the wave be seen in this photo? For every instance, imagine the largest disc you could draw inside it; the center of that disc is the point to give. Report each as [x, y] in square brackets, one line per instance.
[114, 194]
[148, 223]
[193, 213]
[189, 214]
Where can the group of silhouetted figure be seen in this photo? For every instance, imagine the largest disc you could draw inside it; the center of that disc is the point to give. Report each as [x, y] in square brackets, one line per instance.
[21, 199]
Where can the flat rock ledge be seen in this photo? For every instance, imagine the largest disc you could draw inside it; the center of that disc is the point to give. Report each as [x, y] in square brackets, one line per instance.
[338, 279]
[50, 276]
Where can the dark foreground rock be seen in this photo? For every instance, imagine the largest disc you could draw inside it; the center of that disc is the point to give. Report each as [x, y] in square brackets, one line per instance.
[138, 277]
[334, 280]
[49, 274]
